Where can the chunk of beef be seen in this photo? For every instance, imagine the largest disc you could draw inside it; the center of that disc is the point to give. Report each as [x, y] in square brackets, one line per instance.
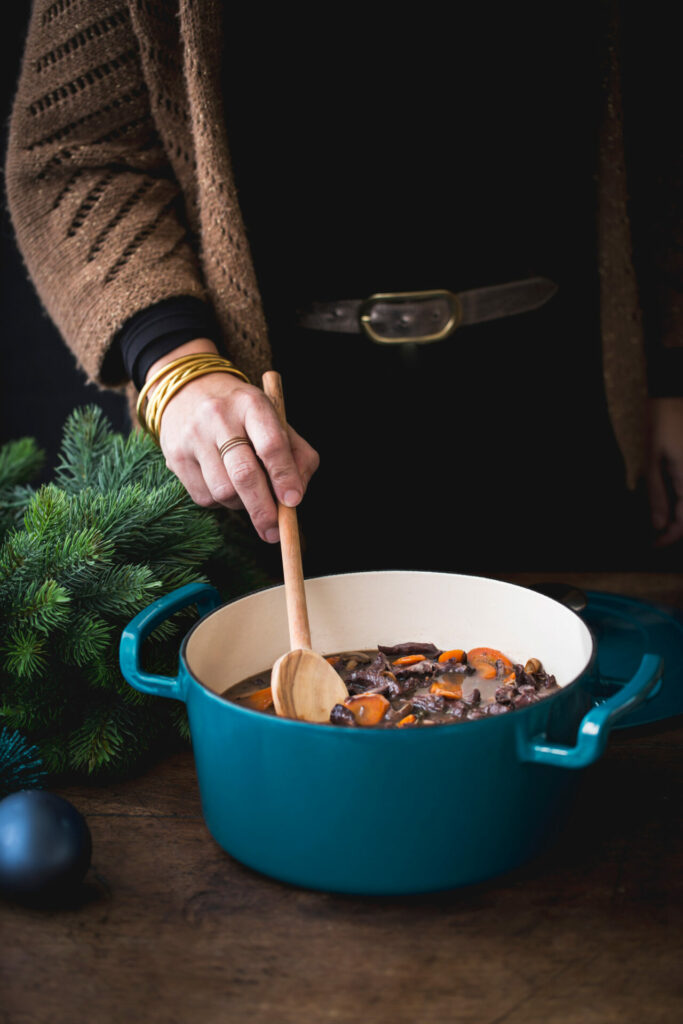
[427, 702]
[498, 709]
[362, 679]
[457, 708]
[506, 694]
[341, 715]
[400, 650]
[421, 669]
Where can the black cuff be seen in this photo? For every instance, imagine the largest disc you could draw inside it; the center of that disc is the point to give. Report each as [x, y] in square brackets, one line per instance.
[157, 330]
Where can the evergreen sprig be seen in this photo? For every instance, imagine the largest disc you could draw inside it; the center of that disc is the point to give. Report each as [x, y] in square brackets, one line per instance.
[20, 764]
[20, 462]
[80, 557]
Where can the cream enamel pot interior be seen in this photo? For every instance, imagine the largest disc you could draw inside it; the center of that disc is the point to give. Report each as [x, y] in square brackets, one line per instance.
[372, 810]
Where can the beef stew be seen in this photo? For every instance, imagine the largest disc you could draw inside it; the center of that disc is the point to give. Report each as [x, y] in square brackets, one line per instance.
[412, 685]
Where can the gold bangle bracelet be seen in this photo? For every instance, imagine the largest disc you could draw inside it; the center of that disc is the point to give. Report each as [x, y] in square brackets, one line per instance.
[208, 364]
[184, 361]
[171, 388]
[168, 368]
[193, 359]
[172, 378]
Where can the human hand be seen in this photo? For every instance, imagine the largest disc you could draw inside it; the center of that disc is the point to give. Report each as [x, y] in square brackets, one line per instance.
[665, 468]
[210, 410]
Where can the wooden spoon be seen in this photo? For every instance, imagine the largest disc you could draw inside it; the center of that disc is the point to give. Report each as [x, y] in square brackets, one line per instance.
[304, 685]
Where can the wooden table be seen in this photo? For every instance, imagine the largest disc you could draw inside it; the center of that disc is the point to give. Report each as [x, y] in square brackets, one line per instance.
[171, 929]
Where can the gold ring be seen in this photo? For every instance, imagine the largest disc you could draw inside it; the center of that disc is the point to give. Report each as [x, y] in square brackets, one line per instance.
[232, 443]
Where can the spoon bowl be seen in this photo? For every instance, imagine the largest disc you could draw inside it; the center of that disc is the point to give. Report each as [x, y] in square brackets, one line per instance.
[305, 686]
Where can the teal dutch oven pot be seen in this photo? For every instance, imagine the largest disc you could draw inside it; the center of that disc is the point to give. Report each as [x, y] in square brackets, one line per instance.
[384, 811]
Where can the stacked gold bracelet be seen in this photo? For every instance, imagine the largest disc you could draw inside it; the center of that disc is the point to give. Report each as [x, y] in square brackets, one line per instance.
[174, 376]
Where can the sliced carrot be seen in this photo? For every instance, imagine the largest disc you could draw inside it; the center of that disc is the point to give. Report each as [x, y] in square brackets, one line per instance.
[409, 659]
[259, 700]
[484, 670]
[453, 691]
[368, 708]
[509, 679]
[489, 655]
[408, 720]
[455, 655]
[333, 659]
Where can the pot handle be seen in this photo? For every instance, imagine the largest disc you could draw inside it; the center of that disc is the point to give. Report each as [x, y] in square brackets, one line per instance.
[145, 622]
[596, 724]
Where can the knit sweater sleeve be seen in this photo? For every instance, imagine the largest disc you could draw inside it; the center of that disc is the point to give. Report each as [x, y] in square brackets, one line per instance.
[97, 210]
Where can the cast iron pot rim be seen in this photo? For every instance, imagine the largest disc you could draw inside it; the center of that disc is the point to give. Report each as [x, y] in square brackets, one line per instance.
[275, 721]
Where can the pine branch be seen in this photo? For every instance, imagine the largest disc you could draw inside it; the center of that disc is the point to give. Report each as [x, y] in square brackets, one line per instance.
[86, 641]
[43, 606]
[178, 715]
[55, 755]
[119, 590]
[85, 441]
[135, 460]
[17, 549]
[112, 733]
[14, 715]
[26, 654]
[20, 462]
[171, 576]
[36, 706]
[97, 741]
[166, 525]
[13, 504]
[112, 532]
[47, 513]
[70, 558]
[20, 764]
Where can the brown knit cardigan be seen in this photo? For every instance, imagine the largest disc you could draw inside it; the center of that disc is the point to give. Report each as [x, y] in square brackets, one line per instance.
[121, 190]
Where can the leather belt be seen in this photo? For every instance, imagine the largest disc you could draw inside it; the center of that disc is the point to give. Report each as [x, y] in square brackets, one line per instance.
[390, 318]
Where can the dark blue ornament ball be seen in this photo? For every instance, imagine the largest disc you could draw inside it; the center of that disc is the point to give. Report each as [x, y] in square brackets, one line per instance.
[45, 847]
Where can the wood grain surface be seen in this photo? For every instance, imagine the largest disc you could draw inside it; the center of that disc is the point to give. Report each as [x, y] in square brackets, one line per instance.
[169, 928]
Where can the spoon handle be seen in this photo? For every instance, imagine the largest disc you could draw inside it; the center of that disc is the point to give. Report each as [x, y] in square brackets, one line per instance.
[290, 546]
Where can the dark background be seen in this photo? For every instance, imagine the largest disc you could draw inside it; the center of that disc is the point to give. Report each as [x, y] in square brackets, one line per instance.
[40, 383]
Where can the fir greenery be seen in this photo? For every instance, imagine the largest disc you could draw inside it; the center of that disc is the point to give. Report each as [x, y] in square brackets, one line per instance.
[20, 765]
[79, 557]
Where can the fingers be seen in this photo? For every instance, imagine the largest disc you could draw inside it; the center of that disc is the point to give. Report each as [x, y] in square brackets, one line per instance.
[306, 458]
[244, 480]
[272, 445]
[216, 479]
[281, 452]
[190, 475]
[214, 409]
[235, 481]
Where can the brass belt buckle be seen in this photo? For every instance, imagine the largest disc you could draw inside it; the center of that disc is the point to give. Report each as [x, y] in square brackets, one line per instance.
[398, 298]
